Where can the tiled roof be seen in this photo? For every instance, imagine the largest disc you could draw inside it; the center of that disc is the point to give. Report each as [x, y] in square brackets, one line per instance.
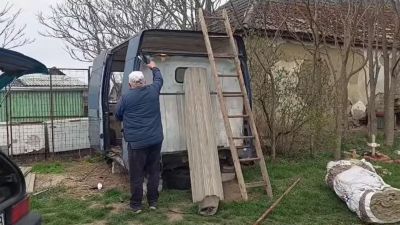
[290, 16]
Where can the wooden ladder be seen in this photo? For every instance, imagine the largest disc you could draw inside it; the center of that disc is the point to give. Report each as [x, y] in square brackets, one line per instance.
[248, 115]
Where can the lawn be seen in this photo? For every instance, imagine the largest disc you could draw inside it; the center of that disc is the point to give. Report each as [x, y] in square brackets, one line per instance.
[311, 202]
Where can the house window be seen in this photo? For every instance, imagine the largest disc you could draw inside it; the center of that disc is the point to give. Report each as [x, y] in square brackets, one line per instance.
[180, 74]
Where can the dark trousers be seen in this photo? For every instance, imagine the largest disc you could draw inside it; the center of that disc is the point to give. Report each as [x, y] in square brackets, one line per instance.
[142, 162]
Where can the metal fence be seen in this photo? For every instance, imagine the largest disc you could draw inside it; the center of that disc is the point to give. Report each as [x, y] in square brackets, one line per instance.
[45, 115]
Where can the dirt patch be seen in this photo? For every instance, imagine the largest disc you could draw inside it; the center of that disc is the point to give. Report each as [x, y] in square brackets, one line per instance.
[231, 191]
[46, 181]
[380, 157]
[81, 179]
[173, 215]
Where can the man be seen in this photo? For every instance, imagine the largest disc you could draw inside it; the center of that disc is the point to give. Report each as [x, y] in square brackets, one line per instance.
[139, 109]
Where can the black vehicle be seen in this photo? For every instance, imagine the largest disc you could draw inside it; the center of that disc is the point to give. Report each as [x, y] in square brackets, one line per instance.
[14, 202]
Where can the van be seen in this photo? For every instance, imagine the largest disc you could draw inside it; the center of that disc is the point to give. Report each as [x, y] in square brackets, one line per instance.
[173, 51]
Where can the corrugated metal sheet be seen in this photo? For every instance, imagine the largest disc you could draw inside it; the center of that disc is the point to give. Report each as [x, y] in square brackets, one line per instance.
[34, 106]
[44, 81]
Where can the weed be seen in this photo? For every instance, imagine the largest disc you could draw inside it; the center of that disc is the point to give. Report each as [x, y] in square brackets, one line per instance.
[46, 168]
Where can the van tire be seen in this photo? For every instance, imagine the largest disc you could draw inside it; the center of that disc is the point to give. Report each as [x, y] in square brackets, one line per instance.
[113, 137]
[178, 178]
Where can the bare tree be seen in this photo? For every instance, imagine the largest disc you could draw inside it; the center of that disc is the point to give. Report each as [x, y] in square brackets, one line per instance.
[341, 34]
[11, 35]
[184, 12]
[291, 100]
[391, 69]
[90, 26]
[373, 55]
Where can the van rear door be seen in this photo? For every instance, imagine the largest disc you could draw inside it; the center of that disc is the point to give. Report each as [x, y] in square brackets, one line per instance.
[95, 105]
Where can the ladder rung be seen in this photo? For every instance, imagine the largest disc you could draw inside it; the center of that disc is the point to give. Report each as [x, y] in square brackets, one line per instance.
[249, 159]
[218, 36]
[214, 17]
[232, 94]
[238, 116]
[242, 147]
[228, 75]
[243, 137]
[255, 184]
[224, 56]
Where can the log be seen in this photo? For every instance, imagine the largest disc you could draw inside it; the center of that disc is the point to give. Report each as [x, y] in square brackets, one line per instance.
[273, 206]
[364, 191]
[205, 173]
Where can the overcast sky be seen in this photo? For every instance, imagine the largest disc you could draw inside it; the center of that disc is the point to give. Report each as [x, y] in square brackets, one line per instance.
[49, 51]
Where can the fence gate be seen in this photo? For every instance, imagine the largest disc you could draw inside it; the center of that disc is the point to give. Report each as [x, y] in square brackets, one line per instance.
[42, 115]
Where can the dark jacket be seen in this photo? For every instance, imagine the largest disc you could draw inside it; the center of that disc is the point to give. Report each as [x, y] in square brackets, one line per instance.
[139, 109]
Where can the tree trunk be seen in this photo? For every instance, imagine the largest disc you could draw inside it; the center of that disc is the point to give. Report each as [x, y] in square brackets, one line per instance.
[372, 80]
[273, 147]
[388, 126]
[339, 133]
[390, 85]
[341, 114]
[273, 131]
[372, 110]
[389, 113]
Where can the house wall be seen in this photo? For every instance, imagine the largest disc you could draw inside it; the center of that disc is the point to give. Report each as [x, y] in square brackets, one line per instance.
[293, 52]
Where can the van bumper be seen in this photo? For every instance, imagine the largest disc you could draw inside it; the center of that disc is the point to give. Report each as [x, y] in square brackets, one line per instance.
[30, 219]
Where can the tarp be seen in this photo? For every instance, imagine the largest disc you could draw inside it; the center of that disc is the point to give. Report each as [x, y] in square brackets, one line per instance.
[14, 64]
[364, 191]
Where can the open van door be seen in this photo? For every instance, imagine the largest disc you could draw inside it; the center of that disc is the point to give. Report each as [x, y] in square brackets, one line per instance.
[95, 105]
[14, 64]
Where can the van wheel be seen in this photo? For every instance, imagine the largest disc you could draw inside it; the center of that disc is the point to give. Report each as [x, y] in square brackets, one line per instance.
[113, 137]
[178, 178]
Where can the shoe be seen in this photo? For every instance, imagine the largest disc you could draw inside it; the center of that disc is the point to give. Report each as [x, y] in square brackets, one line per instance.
[137, 211]
[153, 206]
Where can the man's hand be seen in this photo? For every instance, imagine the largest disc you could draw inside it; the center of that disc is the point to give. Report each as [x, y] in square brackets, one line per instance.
[151, 65]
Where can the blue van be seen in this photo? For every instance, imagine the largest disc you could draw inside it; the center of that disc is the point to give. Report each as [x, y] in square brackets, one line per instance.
[173, 51]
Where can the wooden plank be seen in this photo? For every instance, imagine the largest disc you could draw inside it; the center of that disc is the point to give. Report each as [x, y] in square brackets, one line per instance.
[25, 170]
[247, 107]
[30, 182]
[201, 140]
[228, 128]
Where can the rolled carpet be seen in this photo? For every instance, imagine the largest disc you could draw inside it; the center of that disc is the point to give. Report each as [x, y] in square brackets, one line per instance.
[364, 191]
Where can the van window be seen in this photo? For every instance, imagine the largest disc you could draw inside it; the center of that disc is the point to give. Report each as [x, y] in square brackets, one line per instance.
[180, 74]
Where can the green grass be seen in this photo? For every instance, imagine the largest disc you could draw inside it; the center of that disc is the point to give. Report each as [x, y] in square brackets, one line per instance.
[310, 202]
[46, 168]
[359, 140]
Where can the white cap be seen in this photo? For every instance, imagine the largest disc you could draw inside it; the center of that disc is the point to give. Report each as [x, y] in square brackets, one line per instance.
[136, 77]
